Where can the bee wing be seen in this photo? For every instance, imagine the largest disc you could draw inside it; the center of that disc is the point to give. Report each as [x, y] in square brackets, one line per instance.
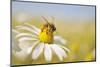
[44, 19]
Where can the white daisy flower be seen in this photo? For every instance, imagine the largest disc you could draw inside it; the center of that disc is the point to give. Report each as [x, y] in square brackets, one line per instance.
[42, 41]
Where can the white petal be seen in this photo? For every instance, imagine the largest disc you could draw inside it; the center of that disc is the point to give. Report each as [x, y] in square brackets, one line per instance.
[66, 49]
[35, 28]
[25, 34]
[26, 39]
[28, 29]
[48, 53]
[37, 51]
[25, 44]
[59, 51]
[15, 31]
[23, 54]
[14, 43]
[59, 40]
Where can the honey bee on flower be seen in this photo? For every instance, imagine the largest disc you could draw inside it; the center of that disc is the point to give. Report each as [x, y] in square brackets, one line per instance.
[43, 41]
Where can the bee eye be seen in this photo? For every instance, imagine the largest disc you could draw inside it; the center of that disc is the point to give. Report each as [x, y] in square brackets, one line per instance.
[54, 28]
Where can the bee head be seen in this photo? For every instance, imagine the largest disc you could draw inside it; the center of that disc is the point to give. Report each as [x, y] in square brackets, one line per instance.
[50, 27]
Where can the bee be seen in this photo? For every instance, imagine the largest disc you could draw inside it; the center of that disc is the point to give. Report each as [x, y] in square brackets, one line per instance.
[46, 34]
[49, 27]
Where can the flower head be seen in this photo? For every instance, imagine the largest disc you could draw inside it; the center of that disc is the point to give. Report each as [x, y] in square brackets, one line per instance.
[36, 41]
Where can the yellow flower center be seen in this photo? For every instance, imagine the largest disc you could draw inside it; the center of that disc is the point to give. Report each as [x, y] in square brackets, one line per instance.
[46, 34]
[46, 37]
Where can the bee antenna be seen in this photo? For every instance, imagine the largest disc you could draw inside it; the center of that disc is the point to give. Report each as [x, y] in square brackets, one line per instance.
[45, 19]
